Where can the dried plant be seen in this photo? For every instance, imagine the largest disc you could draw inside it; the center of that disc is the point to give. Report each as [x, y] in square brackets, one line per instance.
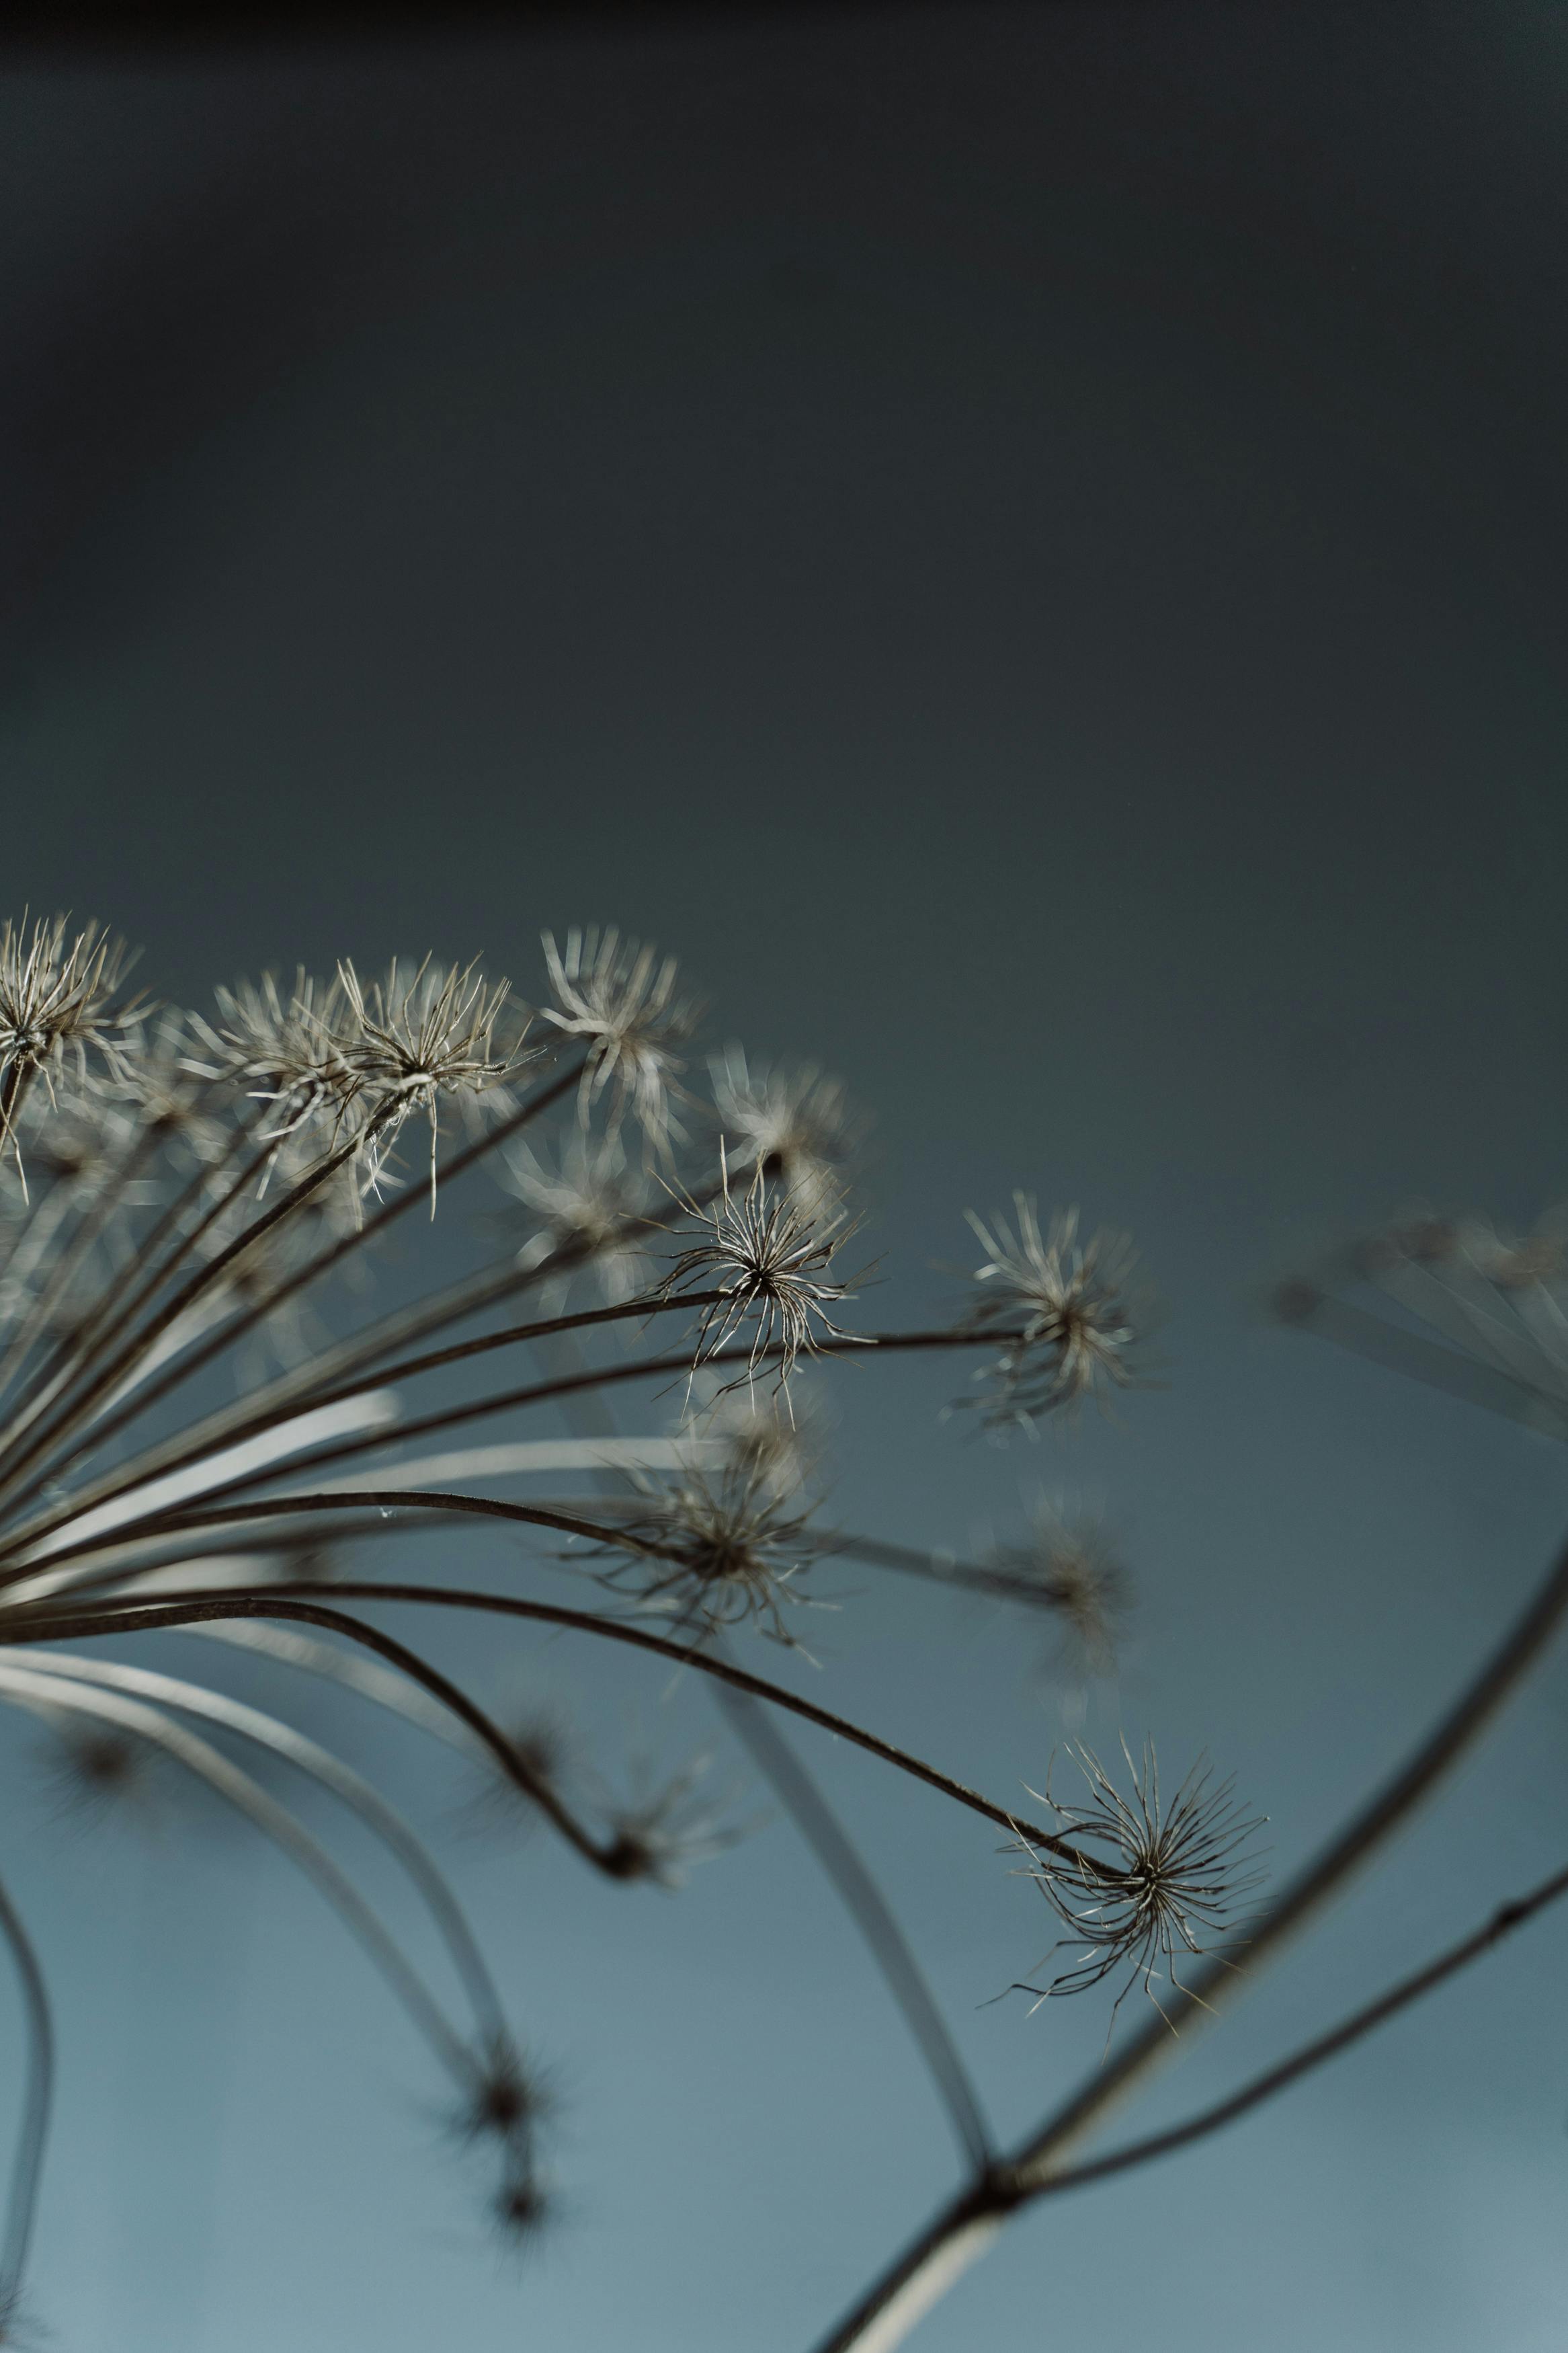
[1069, 1325]
[198, 1188]
[1167, 1887]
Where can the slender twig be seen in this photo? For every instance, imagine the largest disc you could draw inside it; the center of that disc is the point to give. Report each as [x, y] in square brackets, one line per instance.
[1286, 2072]
[883, 2317]
[867, 1908]
[246, 1320]
[32, 2133]
[50, 1624]
[136, 1473]
[1432, 1362]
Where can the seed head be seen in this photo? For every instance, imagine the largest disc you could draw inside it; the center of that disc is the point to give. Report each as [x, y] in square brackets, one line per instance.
[767, 1255]
[663, 1835]
[1074, 1327]
[590, 1201]
[284, 1047]
[60, 1010]
[793, 1123]
[1166, 1890]
[523, 2207]
[620, 999]
[416, 1037]
[506, 2098]
[1071, 1564]
[166, 1097]
[715, 1550]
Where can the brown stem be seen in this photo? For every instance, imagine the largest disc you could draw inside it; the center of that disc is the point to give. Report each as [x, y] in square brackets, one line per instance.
[43, 1622]
[928, 2267]
[1277, 2078]
[154, 1391]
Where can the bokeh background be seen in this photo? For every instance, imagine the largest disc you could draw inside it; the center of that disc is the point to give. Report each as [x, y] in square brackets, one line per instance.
[1026, 544]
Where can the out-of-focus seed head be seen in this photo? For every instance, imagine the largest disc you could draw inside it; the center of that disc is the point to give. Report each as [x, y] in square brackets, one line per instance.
[544, 1741]
[794, 1124]
[523, 2207]
[775, 1444]
[1071, 1563]
[165, 1097]
[620, 1000]
[1070, 1324]
[1164, 1888]
[93, 1771]
[591, 1202]
[663, 1832]
[285, 1048]
[1496, 1300]
[507, 2098]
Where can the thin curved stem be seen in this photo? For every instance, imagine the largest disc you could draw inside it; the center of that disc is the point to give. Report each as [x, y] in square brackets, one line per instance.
[33, 2133]
[78, 1624]
[934, 2259]
[81, 1627]
[45, 1692]
[568, 1385]
[138, 1473]
[153, 1392]
[328, 1772]
[1351, 2029]
[867, 1906]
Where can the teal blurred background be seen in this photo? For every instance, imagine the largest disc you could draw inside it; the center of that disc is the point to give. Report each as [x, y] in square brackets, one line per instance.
[1026, 545]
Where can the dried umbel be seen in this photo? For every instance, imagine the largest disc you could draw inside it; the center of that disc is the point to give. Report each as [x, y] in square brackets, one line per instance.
[420, 1036]
[1064, 1311]
[1071, 1562]
[1494, 1305]
[619, 999]
[793, 1123]
[62, 1013]
[203, 1185]
[1165, 1886]
[714, 1549]
[766, 1259]
[285, 1046]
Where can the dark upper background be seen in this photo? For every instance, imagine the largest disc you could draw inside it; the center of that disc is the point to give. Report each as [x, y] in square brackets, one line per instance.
[1026, 544]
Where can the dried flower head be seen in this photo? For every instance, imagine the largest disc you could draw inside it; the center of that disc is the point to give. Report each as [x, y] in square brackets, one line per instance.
[523, 2207]
[418, 1036]
[664, 1832]
[284, 1047]
[1166, 1891]
[506, 2098]
[168, 1101]
[1497, 1300]
[777, 1444]
[96, 1769]
[1070, 1561]
[1073, 1326]
[60, 1008]
[620, 999]
[793, 1123]
[767, 1257]
[591, 1202]
[714, 1549]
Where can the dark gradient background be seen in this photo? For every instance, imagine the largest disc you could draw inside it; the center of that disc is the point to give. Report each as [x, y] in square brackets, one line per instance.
[1027, 545]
